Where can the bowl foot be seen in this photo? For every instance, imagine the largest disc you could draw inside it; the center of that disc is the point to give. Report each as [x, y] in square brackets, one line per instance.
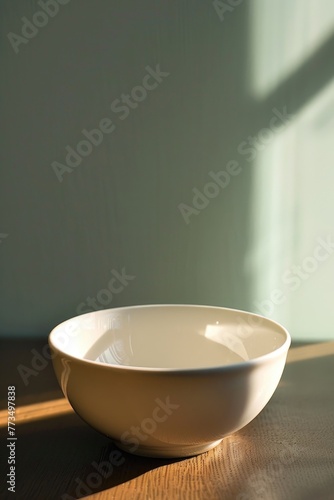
[170, 451]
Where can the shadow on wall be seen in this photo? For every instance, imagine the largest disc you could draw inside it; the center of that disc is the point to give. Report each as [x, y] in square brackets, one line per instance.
[125, 115]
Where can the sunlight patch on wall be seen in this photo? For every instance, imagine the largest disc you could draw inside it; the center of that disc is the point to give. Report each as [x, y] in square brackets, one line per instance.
[273, 212]
[283, 35]
[291, 260]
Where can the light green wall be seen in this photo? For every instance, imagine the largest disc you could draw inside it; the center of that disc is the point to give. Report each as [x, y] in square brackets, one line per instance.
[119, 207]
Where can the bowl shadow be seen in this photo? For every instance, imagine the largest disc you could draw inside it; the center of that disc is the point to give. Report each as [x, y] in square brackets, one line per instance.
[62, 457]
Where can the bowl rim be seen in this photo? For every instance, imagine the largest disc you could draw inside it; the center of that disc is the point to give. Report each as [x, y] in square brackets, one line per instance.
[246, 364]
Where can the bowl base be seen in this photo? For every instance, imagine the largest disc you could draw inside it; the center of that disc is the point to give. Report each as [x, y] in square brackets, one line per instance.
[176, 451]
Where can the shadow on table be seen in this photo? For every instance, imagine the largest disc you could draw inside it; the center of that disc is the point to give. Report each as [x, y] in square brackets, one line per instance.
[324, 492]
[61, 457]
[64, 458]
[57, 454]
[294, 432]
[55, 449]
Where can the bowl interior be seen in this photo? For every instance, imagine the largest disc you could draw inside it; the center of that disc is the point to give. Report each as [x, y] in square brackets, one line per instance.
[169, 336]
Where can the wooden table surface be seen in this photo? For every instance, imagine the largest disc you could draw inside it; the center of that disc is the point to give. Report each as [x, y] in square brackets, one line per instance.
[286, 453]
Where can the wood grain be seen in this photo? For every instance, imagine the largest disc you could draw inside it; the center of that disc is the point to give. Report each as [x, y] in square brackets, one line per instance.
[286, 453]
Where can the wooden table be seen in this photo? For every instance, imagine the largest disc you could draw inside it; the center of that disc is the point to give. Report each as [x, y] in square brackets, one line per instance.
[286, 453]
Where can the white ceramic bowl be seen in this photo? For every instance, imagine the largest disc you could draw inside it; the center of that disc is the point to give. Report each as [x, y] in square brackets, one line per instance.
[168, 380]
